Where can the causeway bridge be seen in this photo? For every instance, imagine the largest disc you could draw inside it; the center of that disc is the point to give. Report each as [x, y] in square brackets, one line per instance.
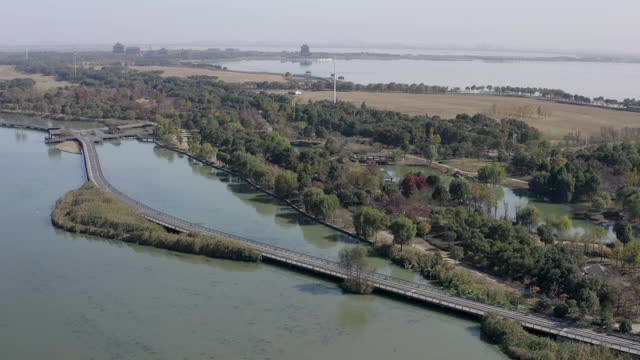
[411, 290]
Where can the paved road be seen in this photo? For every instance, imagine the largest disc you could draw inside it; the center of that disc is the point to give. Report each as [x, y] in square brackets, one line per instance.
[408, 289]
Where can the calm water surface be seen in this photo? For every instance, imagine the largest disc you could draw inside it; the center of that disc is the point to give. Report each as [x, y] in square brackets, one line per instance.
[611, 80]
[67, 296]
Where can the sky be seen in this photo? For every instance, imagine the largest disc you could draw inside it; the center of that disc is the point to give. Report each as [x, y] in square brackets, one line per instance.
[607, 26]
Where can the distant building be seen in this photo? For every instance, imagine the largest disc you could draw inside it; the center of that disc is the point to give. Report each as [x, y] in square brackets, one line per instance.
[132, 50]
[118, 48]
[305, 51]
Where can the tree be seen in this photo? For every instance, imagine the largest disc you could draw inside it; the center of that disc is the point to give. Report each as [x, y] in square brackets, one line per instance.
[286, 184]
[431, 153]
[492, 174]
[208, 152]
[600, 200]
[459, 190]
[433, 180]
[624, 231]
[354, 261]
[318, 204]
[625, 327]
[456, 253]
[561, 310]
[440, 194]
[368, 221]
[561, 224]
[545, 232]
[412, 183]
[405, 147]
[631, 205]
[422, 229]
[403, 230]
[528, 216]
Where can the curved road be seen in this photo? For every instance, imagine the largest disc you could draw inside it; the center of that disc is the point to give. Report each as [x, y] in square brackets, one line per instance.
[382, 282]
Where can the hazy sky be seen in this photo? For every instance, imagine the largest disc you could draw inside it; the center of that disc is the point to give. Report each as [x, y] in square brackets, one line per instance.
[554, 24]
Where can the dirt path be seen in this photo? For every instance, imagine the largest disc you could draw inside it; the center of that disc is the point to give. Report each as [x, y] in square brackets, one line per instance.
[447, 168]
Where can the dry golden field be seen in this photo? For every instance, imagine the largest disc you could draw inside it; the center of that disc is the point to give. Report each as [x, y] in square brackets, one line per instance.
[43, 83]
[226, 76]
[560, 119]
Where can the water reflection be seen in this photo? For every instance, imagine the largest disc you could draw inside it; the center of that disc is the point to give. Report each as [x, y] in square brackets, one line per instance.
[21, 136]
[53, 153]
[319, 289]
[163, 153]
[355, 312]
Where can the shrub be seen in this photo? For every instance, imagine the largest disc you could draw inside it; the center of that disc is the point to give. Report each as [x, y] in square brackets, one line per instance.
[625, 326]
[561, 310]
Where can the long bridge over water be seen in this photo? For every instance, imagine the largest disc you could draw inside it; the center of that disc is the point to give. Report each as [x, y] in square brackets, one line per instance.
[407, 289]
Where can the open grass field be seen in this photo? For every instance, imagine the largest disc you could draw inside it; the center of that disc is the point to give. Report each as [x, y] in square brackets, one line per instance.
[43, 83]
[560, 119]
[226, 76]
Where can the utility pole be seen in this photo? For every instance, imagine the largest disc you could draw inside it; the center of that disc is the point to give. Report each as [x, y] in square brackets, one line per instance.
[26, 54]
[335, 79]
[75, 72]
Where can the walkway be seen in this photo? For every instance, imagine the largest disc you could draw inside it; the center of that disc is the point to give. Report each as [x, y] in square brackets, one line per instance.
[389, 284]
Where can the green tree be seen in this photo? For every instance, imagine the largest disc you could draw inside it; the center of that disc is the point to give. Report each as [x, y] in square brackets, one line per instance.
[625, 326]
[367, 221]
[561, 310]
[286, 184]
[354, 261]
[433, 180]
[460, 190]
[601, 200]
[492, 174]
[403, 230]
[631, 205]
[528, 216]
[318, 204]
[431, 153]
[624, 231]
[561, 224]
[208, 152]
[440, 194]
[545, 232]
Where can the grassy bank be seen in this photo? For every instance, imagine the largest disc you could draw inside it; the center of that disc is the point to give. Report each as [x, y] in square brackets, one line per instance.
[88, 210]
[519, 344]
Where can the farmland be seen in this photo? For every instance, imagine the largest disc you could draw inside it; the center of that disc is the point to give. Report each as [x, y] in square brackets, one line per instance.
[43, 83]
[226, 76]
[555, 120]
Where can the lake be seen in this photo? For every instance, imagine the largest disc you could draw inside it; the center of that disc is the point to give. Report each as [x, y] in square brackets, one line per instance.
[611, 80]
[69, 296]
